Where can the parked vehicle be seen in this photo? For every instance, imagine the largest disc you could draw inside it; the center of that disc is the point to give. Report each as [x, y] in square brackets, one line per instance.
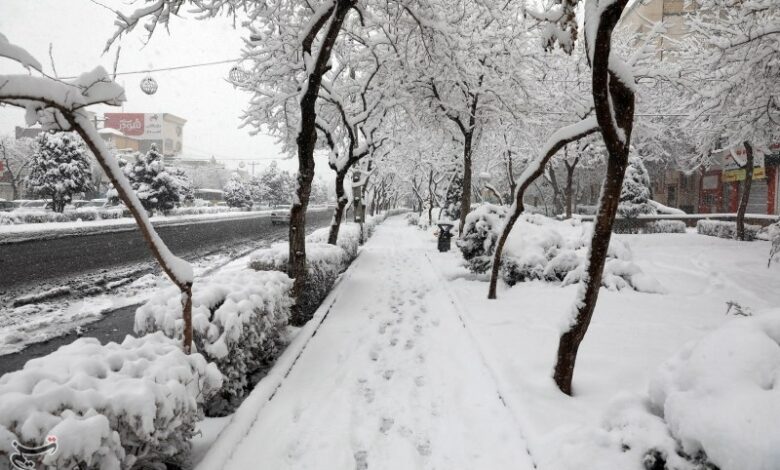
[281, 215]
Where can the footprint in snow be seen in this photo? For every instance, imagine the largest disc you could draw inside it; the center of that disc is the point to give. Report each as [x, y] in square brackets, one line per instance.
[424, 448]
[409, 344]
[374, 354]
[393, 341]
[387, 423]
[388, 374]
[419, 380]
[361, 460]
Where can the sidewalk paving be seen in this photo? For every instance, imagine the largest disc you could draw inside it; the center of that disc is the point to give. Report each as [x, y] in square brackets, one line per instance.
[390, 380]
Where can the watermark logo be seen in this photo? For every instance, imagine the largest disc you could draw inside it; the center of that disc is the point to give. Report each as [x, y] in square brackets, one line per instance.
[19, 459]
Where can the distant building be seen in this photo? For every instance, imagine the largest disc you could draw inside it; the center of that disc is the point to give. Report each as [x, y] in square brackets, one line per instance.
[162, 129]
[205, 173]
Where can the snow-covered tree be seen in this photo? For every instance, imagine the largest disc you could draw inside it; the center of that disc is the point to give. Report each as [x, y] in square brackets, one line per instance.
[635, 194]
[16, 157]
[157, 189]
[236, 193]
[60, 169]
[273, 187]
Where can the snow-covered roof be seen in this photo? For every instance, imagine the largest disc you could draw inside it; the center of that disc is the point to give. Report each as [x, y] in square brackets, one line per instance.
[111, 131]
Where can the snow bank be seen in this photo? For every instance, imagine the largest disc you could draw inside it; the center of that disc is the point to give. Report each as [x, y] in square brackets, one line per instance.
[348, 240]
[541, 248]
[324, 263]
[109, 407]
[239, 319]
[722, 229]
[720, 396]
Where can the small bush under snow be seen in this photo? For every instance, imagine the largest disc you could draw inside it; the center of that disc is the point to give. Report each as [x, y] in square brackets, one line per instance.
[239, 319]
[664, 226]
[723, 229]
[541, 248]
[324, 263]
[110, 407]
[480, 233]
[413, 218]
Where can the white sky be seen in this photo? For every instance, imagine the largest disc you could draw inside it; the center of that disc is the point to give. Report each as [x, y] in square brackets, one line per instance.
[79, 29]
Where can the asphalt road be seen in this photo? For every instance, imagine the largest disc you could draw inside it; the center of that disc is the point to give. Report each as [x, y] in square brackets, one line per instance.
[36, 262]
[85, 254]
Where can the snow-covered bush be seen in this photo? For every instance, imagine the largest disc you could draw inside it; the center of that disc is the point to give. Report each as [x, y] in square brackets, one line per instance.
[664, 226]
[239, 319]
[413, 218]
[722, 229]
[480, 234]
[720, 396]
[348, 240]
[541, 248]
[109, 407]
[323, 262]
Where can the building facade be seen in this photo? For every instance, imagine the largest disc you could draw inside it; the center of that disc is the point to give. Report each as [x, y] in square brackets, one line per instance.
[164, 130]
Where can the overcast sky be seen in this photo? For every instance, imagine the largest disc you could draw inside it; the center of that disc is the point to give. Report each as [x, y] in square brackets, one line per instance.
[78, 30]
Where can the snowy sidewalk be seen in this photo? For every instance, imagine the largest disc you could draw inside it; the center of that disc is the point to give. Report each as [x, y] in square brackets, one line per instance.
[391, 380]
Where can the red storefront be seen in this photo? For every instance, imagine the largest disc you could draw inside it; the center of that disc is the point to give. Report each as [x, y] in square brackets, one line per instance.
[720, 189]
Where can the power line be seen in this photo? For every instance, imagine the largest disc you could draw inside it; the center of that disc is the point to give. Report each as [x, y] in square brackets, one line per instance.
[166, 69]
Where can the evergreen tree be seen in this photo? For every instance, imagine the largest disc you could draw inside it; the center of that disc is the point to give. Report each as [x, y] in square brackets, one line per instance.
[157, 189]
[60, 169]
[635, 193]
[236, 193]
[452, 199]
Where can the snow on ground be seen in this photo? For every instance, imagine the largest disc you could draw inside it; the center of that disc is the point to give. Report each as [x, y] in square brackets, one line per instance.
[631, 335]
[390, 380]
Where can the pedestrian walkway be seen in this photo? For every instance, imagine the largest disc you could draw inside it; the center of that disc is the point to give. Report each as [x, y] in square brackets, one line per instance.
[391, 380]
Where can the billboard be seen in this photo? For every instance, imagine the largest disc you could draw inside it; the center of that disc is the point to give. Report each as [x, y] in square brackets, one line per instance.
[143, 126]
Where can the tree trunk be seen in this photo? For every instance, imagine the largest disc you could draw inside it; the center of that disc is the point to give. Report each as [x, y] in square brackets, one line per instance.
[745, 198]
[306, 141]
[557, 203]
[465, 198]
[338, 212]
[570, 186]
[614, 106]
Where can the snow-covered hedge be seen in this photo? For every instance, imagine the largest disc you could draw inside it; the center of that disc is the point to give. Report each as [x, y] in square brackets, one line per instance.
[348, 240]
[40, 216]
[239, 321]
[109, 407]
[541, 248]
[324, 263]
[720, 395]
[664, 226]
[480, 233]
[198, 210]
[722, 229]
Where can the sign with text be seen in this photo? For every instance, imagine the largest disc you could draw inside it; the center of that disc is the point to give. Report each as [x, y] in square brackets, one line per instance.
[730, 176]
[144, 126]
